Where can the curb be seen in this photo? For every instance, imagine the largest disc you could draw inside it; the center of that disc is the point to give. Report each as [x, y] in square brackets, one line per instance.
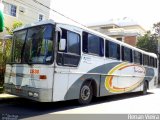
[5, 96]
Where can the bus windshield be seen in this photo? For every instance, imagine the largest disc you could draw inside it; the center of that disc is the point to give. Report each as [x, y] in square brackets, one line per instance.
[33, 45]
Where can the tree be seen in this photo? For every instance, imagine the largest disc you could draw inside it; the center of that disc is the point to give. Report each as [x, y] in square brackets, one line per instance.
[8, 42]
[15, 25]
[148, 42]
[156, 28]
[6, 55]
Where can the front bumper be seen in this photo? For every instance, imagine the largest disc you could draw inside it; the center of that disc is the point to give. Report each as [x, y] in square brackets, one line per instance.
[37, 94]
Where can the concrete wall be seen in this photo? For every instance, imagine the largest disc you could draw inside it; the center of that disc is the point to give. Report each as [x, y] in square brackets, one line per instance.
[127, 33]
[130, 40]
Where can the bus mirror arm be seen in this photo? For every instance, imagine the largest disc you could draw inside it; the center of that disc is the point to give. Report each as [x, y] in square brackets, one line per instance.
[58, 29]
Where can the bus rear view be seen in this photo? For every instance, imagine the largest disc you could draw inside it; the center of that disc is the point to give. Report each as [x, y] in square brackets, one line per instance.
[29, 73]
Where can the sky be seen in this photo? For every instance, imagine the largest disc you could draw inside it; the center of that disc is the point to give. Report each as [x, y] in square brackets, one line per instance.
[91, 12]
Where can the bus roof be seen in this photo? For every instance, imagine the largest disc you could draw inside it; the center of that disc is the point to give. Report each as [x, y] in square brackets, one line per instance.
[34, 24]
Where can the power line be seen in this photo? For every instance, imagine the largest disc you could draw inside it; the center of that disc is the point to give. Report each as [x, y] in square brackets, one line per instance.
[29, 5]
[57, 12]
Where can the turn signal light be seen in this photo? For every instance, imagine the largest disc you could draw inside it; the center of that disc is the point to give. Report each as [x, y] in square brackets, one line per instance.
[43, 77]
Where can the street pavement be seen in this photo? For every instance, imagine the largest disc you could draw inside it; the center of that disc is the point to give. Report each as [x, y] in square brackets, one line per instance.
[131, 103]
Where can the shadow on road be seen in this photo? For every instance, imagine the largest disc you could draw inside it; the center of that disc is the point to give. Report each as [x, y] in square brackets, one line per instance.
[25, 108]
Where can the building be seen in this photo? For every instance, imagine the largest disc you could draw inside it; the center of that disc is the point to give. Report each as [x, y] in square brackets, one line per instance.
[26, 11]
[124, 29]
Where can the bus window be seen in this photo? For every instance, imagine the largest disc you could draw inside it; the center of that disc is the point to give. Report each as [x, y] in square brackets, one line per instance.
[126, 54]
[93, 44]
[137, 57]
[151, 63]
[145, 60]
[155, 62]
[71, 55]
[112, 50]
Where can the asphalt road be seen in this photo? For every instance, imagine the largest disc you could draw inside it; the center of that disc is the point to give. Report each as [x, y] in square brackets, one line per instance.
[119, 104]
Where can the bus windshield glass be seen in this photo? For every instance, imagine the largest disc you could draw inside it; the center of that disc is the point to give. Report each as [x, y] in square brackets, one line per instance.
[33, 45]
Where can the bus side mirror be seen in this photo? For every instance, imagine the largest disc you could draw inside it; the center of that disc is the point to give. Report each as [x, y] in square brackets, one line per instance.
[62, 44]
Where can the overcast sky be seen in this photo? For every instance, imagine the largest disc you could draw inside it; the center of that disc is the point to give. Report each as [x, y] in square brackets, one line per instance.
[88, 12]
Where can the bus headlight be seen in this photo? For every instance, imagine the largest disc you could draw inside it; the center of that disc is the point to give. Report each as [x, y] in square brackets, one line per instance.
[35, 95]
[30, 94]
[8, 90]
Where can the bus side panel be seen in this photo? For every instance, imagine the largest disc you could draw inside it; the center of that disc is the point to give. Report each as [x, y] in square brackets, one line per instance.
[151, 77]
[121, 78]
[74, 90]
[88, 69]
[107, 67]
[60, 83]
[95, 74]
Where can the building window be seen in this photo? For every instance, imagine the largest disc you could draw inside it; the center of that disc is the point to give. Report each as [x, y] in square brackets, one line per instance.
[10, 9]
[120, 39]
[41, 17]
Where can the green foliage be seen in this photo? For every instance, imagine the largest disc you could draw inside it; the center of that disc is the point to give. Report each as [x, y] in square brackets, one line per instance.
[15, 25]
[156, 28]
[148, 42]
[5, 54]
[8, 43]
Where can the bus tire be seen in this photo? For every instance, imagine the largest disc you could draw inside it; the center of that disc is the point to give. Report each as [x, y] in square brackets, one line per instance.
[86, 93]
[145, 87]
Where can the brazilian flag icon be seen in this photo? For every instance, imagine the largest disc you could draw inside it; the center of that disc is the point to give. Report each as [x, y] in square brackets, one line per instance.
[1, 21]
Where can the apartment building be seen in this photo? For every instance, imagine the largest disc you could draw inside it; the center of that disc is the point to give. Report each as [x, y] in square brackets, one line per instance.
[26, 11]
[124, 29]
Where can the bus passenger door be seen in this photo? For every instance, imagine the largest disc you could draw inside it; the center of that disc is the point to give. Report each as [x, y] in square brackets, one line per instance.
[68, 58]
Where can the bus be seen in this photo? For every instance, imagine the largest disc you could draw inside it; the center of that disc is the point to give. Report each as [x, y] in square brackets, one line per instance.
[54, 61]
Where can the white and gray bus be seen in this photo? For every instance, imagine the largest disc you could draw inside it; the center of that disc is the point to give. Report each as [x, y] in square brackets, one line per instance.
[53, 61]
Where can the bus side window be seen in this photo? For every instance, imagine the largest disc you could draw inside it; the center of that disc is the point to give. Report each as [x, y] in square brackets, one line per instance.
[112, 50]
[151, 62]
[137, 57]
[126, 54]
[93, 44]
[71, 55]
[155, 62]
[145, 60]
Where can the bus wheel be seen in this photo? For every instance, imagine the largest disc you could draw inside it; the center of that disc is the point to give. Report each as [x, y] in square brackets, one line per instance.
[145, 87]
[86, 94]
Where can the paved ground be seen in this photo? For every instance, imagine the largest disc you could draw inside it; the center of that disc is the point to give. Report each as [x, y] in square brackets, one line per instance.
[133, 104]
[126, 103]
